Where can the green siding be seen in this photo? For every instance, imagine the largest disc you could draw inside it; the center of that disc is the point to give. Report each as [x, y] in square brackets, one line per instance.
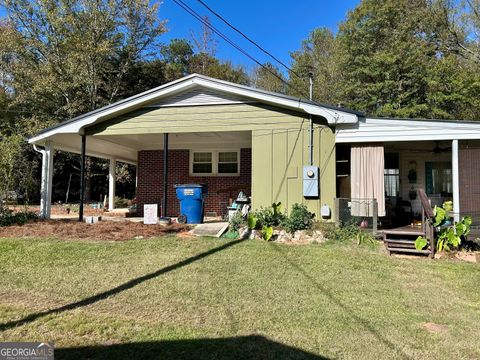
[278, 157]
[235, 117]
[279, 144]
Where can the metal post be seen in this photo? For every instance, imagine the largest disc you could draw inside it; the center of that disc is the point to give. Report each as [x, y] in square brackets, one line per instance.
[310, 76]
[165, 173]
[455, 181]
[82, 177]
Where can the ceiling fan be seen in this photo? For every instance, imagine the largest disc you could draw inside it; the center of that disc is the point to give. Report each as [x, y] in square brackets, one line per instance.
[438, 150]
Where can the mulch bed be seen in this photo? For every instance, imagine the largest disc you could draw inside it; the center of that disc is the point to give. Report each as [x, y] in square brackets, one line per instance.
[103, 230]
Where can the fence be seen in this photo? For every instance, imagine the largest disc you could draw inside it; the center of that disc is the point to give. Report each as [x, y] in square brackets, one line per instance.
[363, 212]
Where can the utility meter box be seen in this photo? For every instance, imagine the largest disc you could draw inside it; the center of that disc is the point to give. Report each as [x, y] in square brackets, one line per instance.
[311, 184]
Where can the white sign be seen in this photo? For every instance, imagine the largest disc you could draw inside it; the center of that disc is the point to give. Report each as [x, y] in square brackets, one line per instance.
[150, 214]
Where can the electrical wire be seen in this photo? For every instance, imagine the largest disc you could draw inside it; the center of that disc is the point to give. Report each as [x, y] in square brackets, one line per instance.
[250, 40]
[197, 16]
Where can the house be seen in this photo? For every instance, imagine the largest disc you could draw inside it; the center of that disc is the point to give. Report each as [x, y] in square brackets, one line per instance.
[236, 138]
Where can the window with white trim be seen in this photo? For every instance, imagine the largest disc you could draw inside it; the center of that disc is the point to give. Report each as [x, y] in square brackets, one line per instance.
[214, 162]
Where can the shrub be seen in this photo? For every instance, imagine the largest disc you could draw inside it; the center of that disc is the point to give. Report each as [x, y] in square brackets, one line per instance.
[236, 221]
[348, 232]
[121, 202]
[270, 216]
[8, 218]
[300, 219]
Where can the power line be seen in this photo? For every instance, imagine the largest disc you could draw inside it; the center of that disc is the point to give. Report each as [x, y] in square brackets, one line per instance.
[249, 39]
[232, 43]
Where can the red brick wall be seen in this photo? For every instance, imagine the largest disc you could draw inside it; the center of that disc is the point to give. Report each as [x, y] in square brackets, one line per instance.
[220, 188]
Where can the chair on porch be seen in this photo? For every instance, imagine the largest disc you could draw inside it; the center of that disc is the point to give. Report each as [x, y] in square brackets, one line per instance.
[402, 239]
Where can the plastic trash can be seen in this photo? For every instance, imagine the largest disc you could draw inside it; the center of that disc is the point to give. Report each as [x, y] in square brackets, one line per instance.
[191, 202]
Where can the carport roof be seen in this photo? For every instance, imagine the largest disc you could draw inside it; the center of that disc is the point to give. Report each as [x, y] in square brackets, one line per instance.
[333, 115]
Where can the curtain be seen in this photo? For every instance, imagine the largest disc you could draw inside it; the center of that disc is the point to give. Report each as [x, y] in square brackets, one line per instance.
[367, 179]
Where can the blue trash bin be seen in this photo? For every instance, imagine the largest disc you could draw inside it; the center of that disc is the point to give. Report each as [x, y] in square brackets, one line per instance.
[191, 202]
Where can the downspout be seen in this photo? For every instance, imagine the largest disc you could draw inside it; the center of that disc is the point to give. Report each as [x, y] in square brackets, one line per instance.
[310, 77]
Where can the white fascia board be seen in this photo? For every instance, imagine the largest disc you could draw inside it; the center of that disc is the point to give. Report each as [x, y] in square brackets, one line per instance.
[391, 130]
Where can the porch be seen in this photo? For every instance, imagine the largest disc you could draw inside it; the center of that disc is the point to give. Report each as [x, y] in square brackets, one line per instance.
[441, 157]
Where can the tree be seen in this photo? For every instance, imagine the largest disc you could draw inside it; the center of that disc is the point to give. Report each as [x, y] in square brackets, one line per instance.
[395, 63]
[318, 55]
[385, 56]
[263, 77]
[67, 58]
[459, 22]
[177, 56]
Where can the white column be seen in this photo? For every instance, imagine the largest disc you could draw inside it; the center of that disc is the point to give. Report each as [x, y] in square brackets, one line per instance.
[455, 181]
[111, 185]
[46, 185]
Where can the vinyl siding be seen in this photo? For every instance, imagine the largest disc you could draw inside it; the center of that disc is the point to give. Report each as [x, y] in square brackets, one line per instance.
[279, 144]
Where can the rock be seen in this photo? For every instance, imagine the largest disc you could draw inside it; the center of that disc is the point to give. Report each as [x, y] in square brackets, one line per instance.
[283, 236]
[244, 233]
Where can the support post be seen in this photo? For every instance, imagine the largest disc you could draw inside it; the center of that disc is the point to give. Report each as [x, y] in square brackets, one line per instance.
[82, 177]
[165, 174]
[111, 184]
[47, 176]
[455, 181]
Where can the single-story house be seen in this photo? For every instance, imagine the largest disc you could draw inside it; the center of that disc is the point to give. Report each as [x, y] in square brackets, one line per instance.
[272, 147]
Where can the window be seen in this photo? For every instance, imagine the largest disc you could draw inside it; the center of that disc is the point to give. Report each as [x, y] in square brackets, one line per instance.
[227, 162]
[438, 177]
[215, 163]
[392, 174]
[202, 163]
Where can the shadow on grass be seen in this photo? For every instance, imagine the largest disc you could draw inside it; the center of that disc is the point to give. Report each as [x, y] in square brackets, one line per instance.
[336, 300]
[243, 347]
[116, 290]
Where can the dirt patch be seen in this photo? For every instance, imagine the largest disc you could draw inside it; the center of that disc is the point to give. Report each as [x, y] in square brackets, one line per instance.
[435, 328]
[103, 230]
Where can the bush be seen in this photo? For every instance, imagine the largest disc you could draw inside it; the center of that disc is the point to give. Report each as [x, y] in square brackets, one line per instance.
[236, 221]
[8, 218]
[270, 216]
[121, 202]
[300, 219]
[348, 232]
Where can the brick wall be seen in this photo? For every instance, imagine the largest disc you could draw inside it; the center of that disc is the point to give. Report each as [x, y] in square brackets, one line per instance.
[220, 188]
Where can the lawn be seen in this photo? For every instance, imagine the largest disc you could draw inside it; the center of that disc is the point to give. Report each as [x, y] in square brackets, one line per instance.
[175, 297]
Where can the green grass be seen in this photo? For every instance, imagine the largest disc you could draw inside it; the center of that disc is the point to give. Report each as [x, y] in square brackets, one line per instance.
[208, 298]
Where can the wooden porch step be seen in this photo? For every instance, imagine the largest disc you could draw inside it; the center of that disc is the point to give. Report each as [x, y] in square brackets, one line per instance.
[403, 231]
[406, 250]
[403, 242]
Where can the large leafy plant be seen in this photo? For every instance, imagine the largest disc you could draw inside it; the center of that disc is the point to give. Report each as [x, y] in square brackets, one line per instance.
[270, 216]
[449, 233]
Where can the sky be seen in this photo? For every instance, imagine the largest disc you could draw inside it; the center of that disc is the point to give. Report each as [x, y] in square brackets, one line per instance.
[277, 25]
